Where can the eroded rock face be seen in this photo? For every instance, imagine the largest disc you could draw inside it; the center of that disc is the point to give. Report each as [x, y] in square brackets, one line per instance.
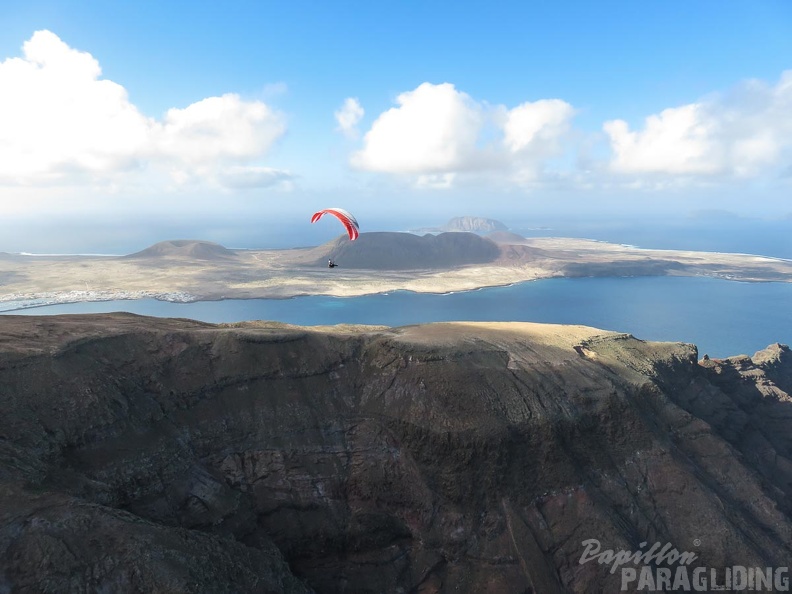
[168, 455]
[474, 224]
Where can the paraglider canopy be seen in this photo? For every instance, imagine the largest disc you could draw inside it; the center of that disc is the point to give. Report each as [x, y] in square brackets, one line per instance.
[351, 224]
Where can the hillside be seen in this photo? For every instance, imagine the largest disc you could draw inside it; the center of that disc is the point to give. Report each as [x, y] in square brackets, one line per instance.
[405, 251]
[506, 237]
[185, 249]
[145, 454]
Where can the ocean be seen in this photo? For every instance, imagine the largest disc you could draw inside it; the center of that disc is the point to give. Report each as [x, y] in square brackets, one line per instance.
[721, 317]
[717, 234]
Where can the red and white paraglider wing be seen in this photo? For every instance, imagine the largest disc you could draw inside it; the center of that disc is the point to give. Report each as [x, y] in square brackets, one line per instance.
[351, 224]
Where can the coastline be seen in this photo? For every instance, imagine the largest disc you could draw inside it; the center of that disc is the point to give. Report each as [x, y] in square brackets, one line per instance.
[24, 302]
[33, 300]
[31, 281]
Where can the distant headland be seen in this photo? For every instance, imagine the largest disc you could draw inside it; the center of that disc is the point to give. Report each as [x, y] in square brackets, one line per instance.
[467, 224]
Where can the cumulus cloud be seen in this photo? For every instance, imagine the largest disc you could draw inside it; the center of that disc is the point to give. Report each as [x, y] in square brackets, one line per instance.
[537, 127]
[433, 130]
[534, 133]
[678, 140]
[217, 129]
[438, 132]
[57, 116]
[741, 134]
[348, 117]
[60, 122]
[437, 135]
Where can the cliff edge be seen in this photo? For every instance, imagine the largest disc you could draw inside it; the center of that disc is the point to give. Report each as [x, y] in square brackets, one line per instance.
[143, 454]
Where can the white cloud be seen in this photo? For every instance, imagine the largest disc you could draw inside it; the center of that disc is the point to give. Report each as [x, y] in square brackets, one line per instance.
[216, 130]
[537, 127]
[57, 117]
[534, 133]
[743, 134]
[438, 132]
[61, 123]
[434, 130]
[679, 140]
[348, 117]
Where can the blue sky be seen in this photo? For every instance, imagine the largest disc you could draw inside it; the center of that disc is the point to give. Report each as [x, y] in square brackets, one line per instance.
[162, 109]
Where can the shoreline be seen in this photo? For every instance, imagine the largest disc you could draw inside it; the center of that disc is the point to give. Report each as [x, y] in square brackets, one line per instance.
[37, 300]
[68, 298]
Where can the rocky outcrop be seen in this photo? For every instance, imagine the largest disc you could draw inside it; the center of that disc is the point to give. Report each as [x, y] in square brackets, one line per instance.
[465, 224]
[474, 225]
[146, 454]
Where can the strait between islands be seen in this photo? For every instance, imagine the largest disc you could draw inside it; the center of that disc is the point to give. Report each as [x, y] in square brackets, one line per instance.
[192, 270]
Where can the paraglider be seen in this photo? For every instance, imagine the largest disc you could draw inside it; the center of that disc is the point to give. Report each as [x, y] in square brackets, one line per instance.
[350, 223]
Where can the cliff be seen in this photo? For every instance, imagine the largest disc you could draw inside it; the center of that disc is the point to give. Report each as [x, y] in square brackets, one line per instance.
[474, 225]
[158, 455]
[465, 224]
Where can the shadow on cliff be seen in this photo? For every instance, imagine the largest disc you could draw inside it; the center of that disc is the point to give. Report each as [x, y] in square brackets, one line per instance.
[154, 454]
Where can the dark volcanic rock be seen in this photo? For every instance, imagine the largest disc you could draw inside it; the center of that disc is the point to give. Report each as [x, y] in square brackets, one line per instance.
[404, 251]
[168, 455]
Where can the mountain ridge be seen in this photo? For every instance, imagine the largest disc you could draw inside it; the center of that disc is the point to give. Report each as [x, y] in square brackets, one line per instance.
[387, 250]
[145, 454]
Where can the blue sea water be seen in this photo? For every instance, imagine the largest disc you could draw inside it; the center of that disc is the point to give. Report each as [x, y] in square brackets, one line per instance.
[721, 317]
[734, 235]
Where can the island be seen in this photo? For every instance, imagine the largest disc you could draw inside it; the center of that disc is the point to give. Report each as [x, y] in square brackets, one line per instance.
[377, 262]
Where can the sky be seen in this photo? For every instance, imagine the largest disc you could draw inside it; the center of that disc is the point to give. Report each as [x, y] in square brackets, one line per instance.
[243, 110]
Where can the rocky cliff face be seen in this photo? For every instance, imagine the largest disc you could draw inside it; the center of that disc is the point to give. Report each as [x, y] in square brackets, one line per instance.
[474, 225]
[168, 455]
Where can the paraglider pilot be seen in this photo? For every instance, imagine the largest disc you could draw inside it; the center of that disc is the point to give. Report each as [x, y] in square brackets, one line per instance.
[349, 222]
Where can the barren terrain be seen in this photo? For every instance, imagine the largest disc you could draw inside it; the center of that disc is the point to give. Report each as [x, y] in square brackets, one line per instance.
[158, 455]
[375, 263]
